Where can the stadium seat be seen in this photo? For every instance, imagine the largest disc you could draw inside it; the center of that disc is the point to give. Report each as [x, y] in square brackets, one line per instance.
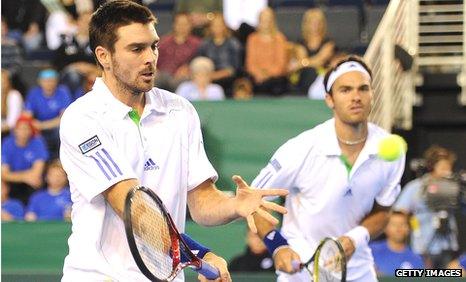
[343, 25]
[162, 5]
[373, 16]
[165, 21]
[289, 21]
[291, 3]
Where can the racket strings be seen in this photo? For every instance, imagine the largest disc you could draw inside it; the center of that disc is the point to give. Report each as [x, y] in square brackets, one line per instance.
[330, 263]
[152, 235]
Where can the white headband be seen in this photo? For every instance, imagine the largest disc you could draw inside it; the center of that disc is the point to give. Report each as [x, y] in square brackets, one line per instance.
[342, 69]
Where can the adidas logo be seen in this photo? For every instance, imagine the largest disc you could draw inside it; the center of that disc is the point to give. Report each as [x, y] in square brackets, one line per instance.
[150, 165]
[348, 193]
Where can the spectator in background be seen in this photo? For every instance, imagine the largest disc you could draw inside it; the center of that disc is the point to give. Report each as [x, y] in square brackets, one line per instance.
[315, 49]
[12, 209]
[266, 56]
[33, 38]
[242, 16]
[243, 89]
[12, 57]
[59, 23]
[74, 58]
[24, 154]
[175, 52]
[23, 15]
[394, 252]
[200, 12]
[459, 263]
[426, 238]
[201, 86]
[86, 84]
[255, 258]
[224, 50]
[12, 104]
[46, 104]
[54, 203]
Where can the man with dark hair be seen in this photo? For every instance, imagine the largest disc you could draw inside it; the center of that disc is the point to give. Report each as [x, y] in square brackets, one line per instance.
[125, 133]
[394, 252]
[338, 187]
[176, 51]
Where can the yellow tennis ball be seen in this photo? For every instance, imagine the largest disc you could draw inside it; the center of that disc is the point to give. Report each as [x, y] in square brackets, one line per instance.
[392, 147]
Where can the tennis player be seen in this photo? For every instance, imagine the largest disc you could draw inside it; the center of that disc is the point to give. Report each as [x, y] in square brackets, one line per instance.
[126, 133]
[338, 187]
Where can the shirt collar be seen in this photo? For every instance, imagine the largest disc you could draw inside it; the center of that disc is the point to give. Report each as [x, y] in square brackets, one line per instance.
[154, 100]
[329, 141]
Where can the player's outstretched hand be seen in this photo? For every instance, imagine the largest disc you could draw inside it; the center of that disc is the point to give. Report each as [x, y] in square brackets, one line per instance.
[218, 263]
[283, 260]
[250, 201]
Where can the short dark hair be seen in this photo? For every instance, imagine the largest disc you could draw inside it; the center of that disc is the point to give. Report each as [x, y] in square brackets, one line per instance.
[111, 16]
[350, 58]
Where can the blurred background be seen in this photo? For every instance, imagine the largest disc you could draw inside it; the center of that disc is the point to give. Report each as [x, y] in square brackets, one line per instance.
[254, 71]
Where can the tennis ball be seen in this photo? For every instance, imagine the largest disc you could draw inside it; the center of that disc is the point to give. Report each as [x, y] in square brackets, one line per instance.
[392, 147]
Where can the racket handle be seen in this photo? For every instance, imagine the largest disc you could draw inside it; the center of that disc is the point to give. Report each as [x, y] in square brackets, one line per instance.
[208, 271]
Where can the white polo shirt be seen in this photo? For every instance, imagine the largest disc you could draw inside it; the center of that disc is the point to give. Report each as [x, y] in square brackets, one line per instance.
[325, 200]
[100, 146]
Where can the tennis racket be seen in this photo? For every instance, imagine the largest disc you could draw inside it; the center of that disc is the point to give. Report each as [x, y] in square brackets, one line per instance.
[156, 245]
[328, 264]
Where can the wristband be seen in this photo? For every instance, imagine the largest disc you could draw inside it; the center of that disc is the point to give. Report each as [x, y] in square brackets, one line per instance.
[199, 250]
[359, 235]
[274, 241]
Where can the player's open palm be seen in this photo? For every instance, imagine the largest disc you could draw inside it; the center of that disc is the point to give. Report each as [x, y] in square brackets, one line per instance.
[250, 201]
[284, 258]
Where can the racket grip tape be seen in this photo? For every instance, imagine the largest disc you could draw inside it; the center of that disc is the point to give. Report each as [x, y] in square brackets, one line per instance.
[196, 247]
[208, 271]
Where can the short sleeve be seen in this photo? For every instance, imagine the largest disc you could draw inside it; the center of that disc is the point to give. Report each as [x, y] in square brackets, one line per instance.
[387, 196]
[89, 156]
[280, 170]
[199, 167]
[406, 200]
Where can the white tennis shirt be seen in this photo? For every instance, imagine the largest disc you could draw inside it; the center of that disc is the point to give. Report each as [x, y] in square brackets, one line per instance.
[100, 146]
[325, 200]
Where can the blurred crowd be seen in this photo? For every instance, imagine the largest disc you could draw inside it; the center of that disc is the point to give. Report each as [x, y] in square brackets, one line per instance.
[212, 50]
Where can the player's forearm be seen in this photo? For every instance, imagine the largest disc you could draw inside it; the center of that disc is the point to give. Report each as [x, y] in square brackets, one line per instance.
[209, 206]
[116, 195]
[263, 226]
[376, 221]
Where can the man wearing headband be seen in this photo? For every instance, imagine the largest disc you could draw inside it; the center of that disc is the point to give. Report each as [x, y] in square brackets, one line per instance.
[338, 187]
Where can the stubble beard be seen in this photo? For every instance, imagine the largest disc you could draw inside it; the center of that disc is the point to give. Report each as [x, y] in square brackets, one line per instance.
[123, 77]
